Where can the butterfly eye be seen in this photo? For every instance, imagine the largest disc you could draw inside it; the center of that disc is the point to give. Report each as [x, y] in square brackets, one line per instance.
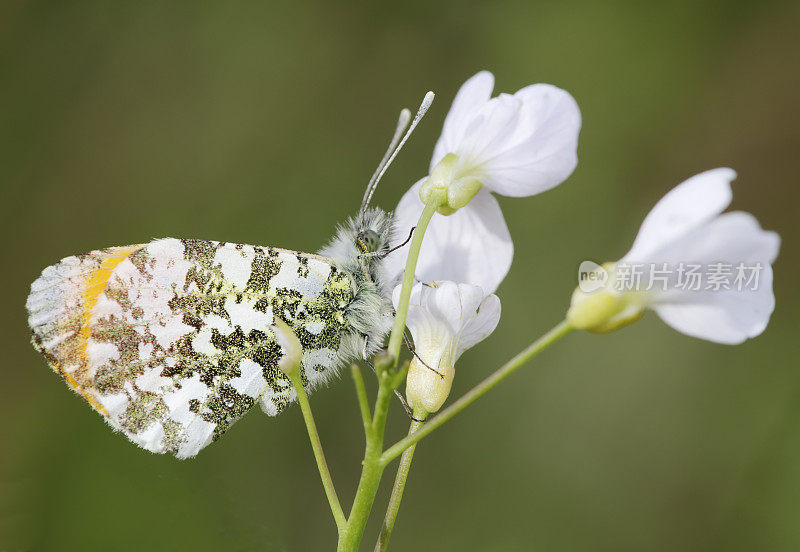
[368, 241]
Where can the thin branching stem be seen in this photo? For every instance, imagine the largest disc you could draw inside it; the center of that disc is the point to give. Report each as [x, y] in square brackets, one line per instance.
[396, 337]
[372, 470]
[319, 455]
[399, 486]
[363, 401]
[477, 392]
[389, 378]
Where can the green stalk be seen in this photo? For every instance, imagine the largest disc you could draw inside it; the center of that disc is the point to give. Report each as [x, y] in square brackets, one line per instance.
[396, 338]
[562, 329]
[388, 381]
[363, 402]
[319, 455]
[372, 470]
[398, 488]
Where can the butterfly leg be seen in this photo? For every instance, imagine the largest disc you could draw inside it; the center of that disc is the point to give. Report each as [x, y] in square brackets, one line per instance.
[408, 239]
[414, 352]
[396, 392]
[406, 407]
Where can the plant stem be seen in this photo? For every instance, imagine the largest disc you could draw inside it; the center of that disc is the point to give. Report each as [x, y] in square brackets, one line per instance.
[388, 380]
[363, 402]
[372, 470]
[478, 391]
[398, 488]
[396, 338]
[319, 455]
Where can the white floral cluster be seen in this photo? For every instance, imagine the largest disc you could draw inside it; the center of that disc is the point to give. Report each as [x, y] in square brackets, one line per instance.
[526, 143]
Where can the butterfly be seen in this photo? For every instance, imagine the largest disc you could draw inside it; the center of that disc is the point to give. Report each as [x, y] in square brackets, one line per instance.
[172, 342]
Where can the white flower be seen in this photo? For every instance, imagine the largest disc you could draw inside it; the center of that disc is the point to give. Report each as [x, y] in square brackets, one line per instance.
[445, 319]
[686, 229]
[515, 145]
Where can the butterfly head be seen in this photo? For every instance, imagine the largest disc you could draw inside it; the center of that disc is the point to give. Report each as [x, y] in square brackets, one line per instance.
[368, 241]
[372, 233]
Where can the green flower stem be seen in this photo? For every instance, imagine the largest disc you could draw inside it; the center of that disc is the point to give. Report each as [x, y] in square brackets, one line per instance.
[478, 391]
[372, 470]
[316, 445]
[396, 338]
[388, 380]
[399, 487]
[363, 402]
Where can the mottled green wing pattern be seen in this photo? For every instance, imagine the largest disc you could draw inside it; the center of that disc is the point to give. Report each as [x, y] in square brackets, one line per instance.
[171, 341]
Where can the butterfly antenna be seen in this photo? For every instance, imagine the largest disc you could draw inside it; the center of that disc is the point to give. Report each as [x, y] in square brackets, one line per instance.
[395, 146]
[402, 123]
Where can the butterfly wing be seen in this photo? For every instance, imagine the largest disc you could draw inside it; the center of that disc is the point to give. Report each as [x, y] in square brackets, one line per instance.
[171, 342]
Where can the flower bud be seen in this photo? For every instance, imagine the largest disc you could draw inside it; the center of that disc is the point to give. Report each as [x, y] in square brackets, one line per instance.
[425, 388]
[289, 363]
[604, 309]
[445, 319]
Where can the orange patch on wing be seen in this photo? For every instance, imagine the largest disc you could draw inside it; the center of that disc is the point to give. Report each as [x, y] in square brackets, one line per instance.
[95, 284]
[75, 386]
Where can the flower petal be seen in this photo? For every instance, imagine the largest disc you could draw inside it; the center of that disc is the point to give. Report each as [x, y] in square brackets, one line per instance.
[432, 336]
[684, 208]
[481, 325]
[455, 303]
[471, 97]
[542, 151]
[723, 316]
[473, 245]
[444, 315]
[492, 130]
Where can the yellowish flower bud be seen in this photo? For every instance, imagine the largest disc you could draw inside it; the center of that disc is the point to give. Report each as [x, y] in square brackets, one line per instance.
[445, 319]
[427, 390]
[604, 309]
[289, 363]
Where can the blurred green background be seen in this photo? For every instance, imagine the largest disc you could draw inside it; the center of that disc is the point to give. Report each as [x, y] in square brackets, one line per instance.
[261, 122]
